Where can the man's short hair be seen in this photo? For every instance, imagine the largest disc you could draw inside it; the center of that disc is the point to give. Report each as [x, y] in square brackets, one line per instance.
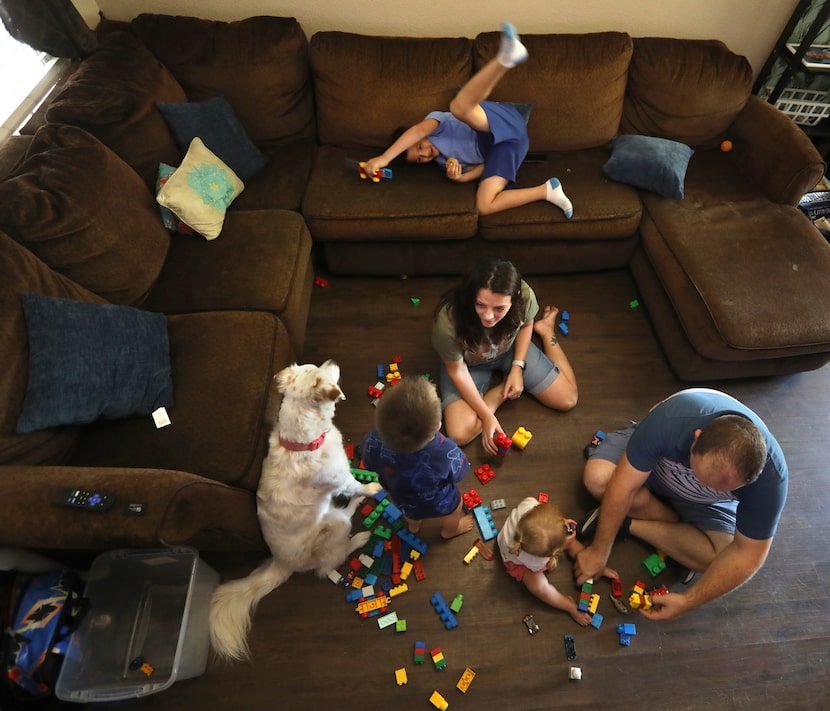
[738, 441]
[408, 415]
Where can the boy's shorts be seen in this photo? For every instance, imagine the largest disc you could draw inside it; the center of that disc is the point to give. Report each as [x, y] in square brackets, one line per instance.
[510, 142]
[714, 516]
[539, 374]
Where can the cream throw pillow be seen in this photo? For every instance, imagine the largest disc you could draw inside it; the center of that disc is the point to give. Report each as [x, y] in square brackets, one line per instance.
[200, 190]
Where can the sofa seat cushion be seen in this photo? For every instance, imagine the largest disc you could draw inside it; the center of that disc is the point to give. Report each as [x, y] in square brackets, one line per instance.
[419, 202]
[260, 65]
[689, 91]
[21, 272]
[575, 81]
[603, 209]
[222, 365]
[112, 95]
[711, 261]
[261, 261]
[85, 213]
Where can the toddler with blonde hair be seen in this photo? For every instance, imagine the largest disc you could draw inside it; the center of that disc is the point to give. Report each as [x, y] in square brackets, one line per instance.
[531, 541]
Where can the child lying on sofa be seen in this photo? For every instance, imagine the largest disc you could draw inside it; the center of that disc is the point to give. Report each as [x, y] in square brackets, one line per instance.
[479, 139]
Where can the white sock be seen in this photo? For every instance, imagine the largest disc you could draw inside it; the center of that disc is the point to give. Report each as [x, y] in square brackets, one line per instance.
[511, 51]
[557, 196]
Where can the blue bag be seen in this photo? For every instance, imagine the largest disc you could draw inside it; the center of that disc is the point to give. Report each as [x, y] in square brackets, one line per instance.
[49, 609]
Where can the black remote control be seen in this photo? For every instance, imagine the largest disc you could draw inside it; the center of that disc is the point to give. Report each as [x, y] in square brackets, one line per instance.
[84, 499]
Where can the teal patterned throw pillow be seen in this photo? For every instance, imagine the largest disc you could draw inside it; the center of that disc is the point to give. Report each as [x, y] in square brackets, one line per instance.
[200, 190]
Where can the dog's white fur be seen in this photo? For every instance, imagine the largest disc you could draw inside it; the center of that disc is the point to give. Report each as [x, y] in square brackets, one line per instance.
[299, 521]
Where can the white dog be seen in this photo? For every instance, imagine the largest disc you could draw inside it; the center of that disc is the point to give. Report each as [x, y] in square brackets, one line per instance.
[305, 469]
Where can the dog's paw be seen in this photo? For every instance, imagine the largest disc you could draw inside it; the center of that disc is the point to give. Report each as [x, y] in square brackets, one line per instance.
[360, 539]
[372, 488]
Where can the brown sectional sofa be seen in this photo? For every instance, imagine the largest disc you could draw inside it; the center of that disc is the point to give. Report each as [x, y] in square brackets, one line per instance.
[732, 276]
[78, 220]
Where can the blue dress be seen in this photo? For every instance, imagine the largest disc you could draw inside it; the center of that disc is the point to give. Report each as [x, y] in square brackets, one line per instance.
[422, 484]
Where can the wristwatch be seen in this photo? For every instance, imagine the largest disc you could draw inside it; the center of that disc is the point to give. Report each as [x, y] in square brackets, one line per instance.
[520, 363]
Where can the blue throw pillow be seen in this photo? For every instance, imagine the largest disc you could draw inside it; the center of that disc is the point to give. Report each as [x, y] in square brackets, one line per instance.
[215, 122]
[90, 361]
[650, 163]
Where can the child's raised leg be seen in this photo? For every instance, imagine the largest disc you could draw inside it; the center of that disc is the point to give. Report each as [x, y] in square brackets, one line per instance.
[466, 106]
[455, 524]
[541, 587]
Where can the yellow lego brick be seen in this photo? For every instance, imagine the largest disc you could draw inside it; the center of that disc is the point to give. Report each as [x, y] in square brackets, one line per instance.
[406, 569]
[465, 680]
[521, 437]
[592, 606]
[401, 677]
[472, 554]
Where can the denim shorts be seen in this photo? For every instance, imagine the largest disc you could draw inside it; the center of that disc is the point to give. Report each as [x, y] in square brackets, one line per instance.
[714, 516]
[539, 374]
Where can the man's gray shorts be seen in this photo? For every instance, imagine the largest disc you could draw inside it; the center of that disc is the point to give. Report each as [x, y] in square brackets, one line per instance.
[715, 516]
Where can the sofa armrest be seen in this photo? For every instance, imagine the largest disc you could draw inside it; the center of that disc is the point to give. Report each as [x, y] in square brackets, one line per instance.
[775, 153]
[152, 507]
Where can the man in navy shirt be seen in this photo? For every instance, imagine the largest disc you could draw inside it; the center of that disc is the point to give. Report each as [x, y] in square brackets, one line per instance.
[701, 478]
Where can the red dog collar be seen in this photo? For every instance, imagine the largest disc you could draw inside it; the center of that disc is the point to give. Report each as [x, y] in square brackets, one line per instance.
[301, 447]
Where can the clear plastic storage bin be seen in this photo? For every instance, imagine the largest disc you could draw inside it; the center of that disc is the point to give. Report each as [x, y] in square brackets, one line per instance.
[147, 626]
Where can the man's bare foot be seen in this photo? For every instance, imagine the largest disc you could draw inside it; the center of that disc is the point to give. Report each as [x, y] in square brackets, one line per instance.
[465, 523]
[413, 526]
[544, 327]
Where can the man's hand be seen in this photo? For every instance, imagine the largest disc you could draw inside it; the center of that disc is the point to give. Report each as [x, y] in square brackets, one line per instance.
[589, 563]
[667, 607]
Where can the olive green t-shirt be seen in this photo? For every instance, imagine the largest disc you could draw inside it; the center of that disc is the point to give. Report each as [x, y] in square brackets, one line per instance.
[446, 343]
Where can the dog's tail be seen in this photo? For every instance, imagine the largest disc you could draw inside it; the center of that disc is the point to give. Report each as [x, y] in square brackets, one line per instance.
[233, 605]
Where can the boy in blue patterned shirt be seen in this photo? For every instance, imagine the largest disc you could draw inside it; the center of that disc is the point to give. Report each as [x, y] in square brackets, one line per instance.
[418, 466]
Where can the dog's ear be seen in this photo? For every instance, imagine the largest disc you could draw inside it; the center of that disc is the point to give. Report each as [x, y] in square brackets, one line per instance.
[286, 377]
[328, 391]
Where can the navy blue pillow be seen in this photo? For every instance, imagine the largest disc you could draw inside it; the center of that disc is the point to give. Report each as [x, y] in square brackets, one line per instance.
[91, 361]
[650, 163]
[215, 122]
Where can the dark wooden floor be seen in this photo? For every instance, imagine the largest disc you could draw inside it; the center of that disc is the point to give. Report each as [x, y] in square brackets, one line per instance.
[766, 645]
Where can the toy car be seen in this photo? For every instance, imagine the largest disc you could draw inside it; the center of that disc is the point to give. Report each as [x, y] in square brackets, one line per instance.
[570, 647]
[532, 627]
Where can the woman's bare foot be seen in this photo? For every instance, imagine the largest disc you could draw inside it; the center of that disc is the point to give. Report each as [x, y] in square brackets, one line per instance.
[544, 327]
[412, 525]
[465, 523]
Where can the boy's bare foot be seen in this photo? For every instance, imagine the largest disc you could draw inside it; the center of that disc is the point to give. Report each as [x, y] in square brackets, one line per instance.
[581, 618]
[413, 526]
[544, 327]
[465, 524]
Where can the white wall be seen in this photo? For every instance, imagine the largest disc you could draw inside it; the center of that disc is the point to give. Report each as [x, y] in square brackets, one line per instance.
[748, 27]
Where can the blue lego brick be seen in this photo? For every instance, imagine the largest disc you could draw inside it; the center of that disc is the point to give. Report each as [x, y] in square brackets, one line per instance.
[596, 620]
[485, 522]
[444, 611]
[412, 541]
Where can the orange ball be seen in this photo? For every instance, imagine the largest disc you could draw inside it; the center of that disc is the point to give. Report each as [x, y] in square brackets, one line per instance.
[726, 146]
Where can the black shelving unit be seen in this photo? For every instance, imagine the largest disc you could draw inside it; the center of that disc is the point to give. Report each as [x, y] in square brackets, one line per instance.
[786, 62]
[793, 61]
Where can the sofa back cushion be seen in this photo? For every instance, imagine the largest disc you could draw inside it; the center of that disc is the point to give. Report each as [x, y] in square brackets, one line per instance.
[20, 272]
[112, 95]
[576, 83]
[685, 90]
[366, 87]
[259, 64]
[86, 214]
